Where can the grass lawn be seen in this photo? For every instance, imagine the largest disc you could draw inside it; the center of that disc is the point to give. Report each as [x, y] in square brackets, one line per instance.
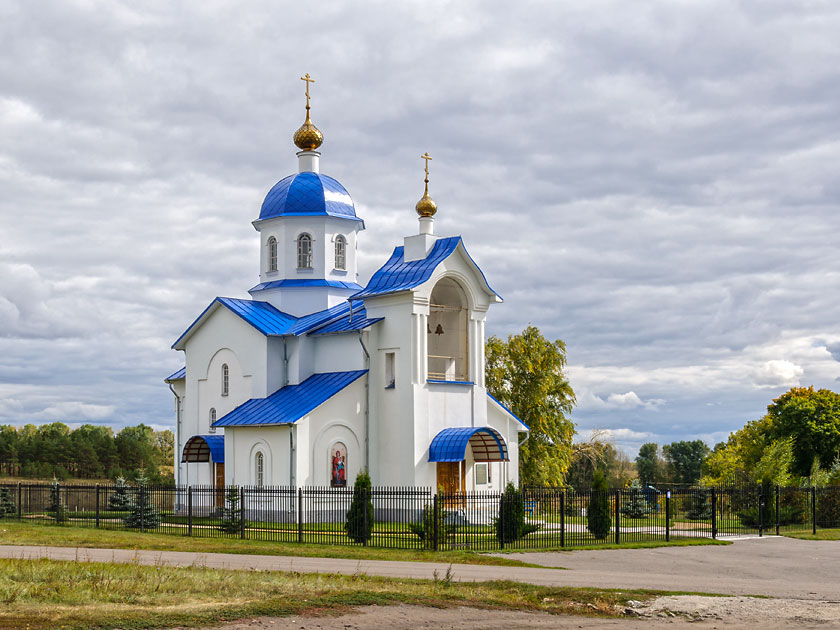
[16, 533]
[43, 594]
[822, 534]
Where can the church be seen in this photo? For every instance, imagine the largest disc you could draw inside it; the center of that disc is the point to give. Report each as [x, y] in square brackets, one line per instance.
[316, 378]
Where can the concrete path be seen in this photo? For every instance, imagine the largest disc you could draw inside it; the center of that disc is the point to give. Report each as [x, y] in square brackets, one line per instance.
[776, 567]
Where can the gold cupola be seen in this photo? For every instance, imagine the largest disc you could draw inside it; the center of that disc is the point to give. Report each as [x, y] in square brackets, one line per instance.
[308, 137]
[426, 207]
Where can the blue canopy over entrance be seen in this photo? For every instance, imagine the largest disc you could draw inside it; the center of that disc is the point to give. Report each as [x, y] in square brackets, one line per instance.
[201, 448]
[450, 445]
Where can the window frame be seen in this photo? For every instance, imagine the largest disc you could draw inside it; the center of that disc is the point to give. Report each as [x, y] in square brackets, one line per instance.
[272, 254]
[304, 256]
[259, 469]
[340, 263]
[225, 379]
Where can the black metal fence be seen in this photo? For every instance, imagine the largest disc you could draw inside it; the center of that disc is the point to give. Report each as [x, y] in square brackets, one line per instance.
[418, 518]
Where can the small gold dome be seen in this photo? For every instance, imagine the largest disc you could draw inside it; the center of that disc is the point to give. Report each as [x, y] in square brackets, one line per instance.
[308, 137]
[426, 207]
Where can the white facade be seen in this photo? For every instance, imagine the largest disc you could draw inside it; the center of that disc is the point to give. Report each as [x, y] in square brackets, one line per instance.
[411, 356]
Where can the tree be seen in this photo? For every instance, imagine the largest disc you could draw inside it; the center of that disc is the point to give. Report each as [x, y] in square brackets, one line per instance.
[685, 460]
[598, 518]
[525, 373]
[647, 463]
[510, 525]
[144, 514]
[56, 506]
[359, 525]
[232, 512]
[121, 499]
[7, 504]
[812, 418]
[636, 505]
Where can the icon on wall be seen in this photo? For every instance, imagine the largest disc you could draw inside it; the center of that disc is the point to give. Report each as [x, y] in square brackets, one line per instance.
[338, 465]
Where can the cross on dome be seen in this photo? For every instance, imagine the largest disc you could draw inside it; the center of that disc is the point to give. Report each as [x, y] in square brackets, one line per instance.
[308, 137]
[426, 207]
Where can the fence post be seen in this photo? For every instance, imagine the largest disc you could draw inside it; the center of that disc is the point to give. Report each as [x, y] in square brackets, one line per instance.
[242, 512]
[58, 502]
[760, 510]
[97, 505]
[714, 513]
[777, 510]
[813, 510]
[617, 517]
[562, 518]
[436, 507]
[142, 508]
[668, 516]
[501, 536]
[300, 515]
[366, 494]
[20, 501]
[189, 510]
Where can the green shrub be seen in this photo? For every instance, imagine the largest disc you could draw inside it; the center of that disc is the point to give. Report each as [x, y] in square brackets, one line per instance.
[828, 507]
[425, 530]
[7, 504]
[232, 512]
[143, 513]
[598, 519]
[56, 507]
[359, 525]
[635, 506]
[120, 500]
[700, 505]
[510, 525]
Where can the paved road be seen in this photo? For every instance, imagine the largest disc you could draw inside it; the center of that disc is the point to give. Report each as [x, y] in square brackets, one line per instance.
[777, 567]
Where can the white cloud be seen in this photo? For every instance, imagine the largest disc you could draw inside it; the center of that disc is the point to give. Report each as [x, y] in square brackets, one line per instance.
[74, 410]
[778, 373]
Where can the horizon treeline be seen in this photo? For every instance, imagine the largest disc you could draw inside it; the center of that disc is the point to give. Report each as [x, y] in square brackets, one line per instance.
[87, 452]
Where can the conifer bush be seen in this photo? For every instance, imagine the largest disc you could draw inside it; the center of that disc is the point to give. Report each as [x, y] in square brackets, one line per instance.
[636, 505]
[120, 500]
[56, 507]
[143, 512]
[359, 525]
[700, 505]
[510, 525]
[232, 512]
[598, 519]
[425, 530]
[7, 505]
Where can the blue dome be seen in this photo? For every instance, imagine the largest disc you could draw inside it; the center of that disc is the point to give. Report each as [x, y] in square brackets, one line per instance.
[308, 194]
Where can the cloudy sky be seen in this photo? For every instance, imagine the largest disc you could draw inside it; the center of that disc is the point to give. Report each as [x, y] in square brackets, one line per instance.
[654, 183]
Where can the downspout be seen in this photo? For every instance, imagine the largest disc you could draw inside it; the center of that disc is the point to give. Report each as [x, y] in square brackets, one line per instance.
[367, 403]
[293, 428]
[177, 461]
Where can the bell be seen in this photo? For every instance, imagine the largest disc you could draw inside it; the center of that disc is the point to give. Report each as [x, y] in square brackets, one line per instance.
[439, 330]
[428, 329]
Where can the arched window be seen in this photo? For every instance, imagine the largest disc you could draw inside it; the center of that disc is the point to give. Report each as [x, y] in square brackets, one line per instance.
[304, 251]
[272, 254]
[225, 379]
[259, 469]
[340, 252]
[212, 419]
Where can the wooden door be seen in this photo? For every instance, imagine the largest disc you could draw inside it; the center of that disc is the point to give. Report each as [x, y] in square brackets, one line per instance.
[450, 480]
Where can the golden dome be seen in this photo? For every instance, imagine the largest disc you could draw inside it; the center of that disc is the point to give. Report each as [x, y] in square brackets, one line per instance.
[426, 207]
[308, 137]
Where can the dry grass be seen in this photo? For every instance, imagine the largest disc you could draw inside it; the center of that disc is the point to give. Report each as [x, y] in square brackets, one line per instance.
[44, 594]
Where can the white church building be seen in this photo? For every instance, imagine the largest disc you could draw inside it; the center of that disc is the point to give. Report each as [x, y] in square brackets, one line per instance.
[316, 378]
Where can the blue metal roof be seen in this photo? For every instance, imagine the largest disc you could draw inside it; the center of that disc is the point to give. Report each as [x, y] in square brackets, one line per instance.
[308, 194]
[398, 275]
[176, 376]
[450, 445]
[342, 325]
[261, 315]
[201, 448]
[507, 409]
[275, 284]
[290, 403]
